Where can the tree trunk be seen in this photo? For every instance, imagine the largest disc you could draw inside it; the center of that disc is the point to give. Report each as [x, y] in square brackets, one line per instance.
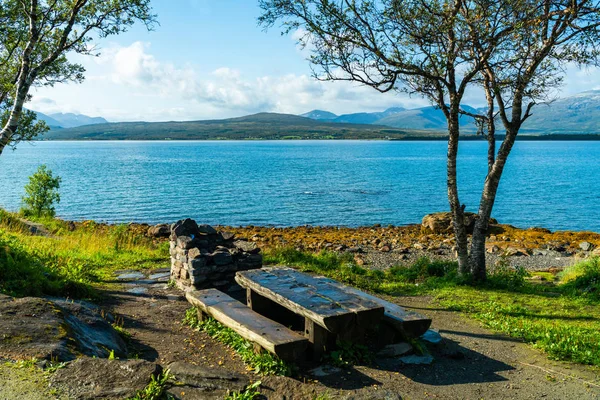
[11, 126]
[488, 197]
[455, 207]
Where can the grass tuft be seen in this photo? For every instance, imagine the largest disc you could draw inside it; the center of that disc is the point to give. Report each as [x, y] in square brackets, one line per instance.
[250, 393]
[156, 389]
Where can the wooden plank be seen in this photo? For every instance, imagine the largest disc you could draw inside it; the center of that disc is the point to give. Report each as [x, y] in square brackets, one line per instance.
[317, 336]
[270, 335]
[408, 323]
[330, 306]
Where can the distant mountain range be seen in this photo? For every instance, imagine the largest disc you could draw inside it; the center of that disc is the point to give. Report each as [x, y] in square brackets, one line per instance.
[425, 118]
[69, 120]
[578, 114]
[574, 115]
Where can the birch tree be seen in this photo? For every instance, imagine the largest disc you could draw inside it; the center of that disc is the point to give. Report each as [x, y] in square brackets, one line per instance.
[440, 48]
[524, 71]
[35, 39]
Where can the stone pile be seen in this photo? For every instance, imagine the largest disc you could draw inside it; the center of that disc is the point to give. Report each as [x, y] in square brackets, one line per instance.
[202, 257]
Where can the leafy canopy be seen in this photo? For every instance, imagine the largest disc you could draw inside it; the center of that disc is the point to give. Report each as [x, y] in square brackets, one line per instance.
[35, 39]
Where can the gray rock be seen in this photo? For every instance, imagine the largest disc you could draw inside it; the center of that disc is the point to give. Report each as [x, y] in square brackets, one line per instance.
[325, 370]
[138, 290]
[131, 276]
[185, 242]
[586, 246]
[432, 336]
[417, 360]
[249, 247]
[160, 277]
[94, 378]
[207, 230]
[159, 231]
[184, 227]
[395, 350]
[207, 378]
[53, 328]
[222, 258]
[227, 236]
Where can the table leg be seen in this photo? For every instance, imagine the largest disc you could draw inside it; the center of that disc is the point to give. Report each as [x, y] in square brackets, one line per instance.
[257, 302]
[317, 336]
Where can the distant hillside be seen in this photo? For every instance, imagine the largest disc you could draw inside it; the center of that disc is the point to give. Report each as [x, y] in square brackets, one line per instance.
[319, 115]
[570, 115]
[71, 120]
[258, 126]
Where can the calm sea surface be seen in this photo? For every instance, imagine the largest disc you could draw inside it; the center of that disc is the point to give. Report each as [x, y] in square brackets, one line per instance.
[286, 183]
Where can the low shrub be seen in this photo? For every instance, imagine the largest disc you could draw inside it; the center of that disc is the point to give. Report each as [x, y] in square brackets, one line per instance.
[582, 279]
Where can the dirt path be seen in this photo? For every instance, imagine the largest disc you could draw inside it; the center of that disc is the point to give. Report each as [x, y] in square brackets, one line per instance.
[472, 362]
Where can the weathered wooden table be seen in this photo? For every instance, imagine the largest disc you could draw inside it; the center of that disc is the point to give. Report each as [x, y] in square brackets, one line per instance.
[330, 309]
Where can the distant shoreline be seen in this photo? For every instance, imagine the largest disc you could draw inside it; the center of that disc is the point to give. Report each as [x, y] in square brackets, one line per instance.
[470, 138]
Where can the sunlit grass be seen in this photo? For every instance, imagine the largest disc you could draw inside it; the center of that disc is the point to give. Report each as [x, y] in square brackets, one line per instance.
[73, 260]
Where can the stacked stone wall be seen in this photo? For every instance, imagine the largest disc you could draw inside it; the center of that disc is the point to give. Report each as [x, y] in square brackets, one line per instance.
[202, 257]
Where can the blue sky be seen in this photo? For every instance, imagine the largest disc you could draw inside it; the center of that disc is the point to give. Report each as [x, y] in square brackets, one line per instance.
[209, 59]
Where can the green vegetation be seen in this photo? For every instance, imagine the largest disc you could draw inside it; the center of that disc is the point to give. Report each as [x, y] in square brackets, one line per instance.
[562, 319]
[156, 389]
[583, 279]
[348, 354]
[72, 259]
[250, 393]
[41, 193]
[263, 364]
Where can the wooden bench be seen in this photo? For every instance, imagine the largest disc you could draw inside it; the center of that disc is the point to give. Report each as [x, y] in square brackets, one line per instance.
[268, 334]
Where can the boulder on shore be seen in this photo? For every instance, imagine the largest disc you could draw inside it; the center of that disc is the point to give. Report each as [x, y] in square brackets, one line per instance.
[440, 223]
[55, 329]
[159, 231]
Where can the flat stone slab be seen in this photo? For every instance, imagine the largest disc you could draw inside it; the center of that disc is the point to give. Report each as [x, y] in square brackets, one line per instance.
[131, 276]
[207, 378]
[138, 290]
[432, 336]
[160, 276]
[95, 378]
[417, 360]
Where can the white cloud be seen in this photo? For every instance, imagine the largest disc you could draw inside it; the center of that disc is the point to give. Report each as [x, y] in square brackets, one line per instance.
[130, 83]
[151, 89]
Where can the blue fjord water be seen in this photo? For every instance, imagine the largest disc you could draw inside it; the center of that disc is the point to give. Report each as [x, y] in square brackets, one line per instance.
[287, 183]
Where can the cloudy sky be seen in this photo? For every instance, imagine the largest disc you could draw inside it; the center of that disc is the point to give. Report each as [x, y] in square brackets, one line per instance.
[209, 59]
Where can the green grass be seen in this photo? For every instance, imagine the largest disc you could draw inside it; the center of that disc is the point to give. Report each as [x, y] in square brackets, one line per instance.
[393, 281]
[156, 389]
[347, 354]
[562, 319]
[70, 263]
[263, 363]
[250, 393]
